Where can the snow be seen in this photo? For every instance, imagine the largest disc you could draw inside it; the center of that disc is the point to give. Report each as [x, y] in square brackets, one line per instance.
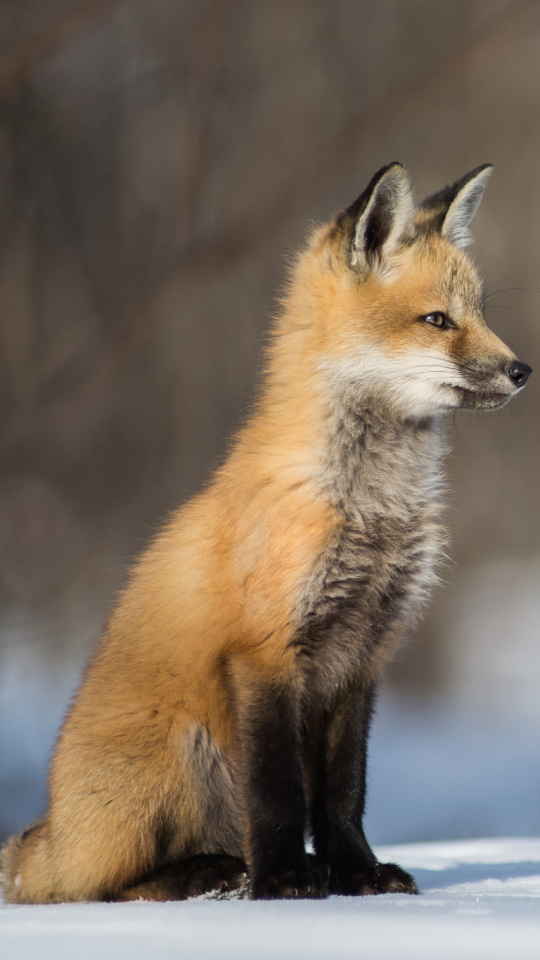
[479, 899]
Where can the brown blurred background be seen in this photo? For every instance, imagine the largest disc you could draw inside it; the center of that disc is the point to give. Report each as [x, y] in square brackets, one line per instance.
[159, 160]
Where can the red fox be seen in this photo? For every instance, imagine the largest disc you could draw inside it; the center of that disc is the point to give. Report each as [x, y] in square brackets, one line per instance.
[226, 712]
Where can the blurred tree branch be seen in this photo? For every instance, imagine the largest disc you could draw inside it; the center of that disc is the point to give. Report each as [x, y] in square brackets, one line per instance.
[19, 63]
[205, 66]
[482, 49]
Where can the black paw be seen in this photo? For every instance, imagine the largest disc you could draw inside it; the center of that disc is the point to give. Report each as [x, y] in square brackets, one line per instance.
[212, 873]
[392, 879]
[295, 883]
[351, 881]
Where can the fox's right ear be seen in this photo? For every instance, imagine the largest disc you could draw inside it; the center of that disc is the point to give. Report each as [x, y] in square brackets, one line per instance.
[380, 219]
[450, 211]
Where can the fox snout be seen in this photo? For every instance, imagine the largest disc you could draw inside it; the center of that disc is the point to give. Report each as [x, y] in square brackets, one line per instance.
[491, 385]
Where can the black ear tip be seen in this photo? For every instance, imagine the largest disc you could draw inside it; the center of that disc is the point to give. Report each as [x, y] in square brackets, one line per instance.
[480, 174]
[483, 168]
[395, 165]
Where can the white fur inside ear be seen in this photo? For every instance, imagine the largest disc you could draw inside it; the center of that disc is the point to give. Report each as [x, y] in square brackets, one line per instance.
[463, 208]
[392, 202]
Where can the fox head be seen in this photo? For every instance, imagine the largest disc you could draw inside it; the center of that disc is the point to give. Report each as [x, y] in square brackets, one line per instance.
[397, 304]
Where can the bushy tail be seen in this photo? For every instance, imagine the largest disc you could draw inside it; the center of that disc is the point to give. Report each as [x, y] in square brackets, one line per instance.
[9, 858]
[23, 866]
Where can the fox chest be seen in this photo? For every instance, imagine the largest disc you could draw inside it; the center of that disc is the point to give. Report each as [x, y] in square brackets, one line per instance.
[368, 586]
[363, 595]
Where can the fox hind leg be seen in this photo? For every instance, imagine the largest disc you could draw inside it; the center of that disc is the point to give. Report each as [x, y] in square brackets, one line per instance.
[118, 820]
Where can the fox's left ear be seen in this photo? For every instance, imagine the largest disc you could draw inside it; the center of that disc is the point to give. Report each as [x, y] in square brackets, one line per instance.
[380, 219]
[451, 210]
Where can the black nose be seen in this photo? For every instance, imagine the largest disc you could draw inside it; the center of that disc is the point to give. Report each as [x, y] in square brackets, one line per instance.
[519, 373]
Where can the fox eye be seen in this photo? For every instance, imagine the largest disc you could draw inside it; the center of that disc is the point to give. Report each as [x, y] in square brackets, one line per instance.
[438, 319]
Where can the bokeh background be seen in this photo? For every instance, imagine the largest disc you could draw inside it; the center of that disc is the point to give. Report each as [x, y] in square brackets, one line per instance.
[159, 161]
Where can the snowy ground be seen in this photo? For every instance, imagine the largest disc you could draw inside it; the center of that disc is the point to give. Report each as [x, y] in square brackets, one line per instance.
[480, 899]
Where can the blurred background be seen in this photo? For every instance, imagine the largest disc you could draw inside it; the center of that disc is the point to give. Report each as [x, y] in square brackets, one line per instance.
[159, 161]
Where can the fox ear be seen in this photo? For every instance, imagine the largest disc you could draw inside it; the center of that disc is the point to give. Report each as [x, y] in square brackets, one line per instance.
[381, 217]
[453, 208]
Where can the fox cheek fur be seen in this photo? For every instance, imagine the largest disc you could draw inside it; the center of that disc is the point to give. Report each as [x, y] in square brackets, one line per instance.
[226, 711]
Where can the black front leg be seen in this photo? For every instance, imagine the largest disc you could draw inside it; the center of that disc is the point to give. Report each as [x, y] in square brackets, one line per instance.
[338, 800]
[270, 746]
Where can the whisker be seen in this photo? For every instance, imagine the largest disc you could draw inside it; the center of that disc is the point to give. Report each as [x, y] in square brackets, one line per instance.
[513, 278]
[496, 293]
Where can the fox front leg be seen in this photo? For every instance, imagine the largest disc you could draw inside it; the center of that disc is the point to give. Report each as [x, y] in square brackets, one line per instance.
[274, 802]
[338, 800]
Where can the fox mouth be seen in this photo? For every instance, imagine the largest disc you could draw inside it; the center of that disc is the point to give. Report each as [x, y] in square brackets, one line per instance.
[470, 399]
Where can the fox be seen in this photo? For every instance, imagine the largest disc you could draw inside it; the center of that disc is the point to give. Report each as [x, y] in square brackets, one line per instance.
[224, 718]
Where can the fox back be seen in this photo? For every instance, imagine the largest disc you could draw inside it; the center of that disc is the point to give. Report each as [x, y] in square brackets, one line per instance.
[227, 709]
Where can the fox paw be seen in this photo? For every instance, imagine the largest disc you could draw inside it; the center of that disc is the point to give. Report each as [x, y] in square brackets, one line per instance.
[300, 883]
[363, 880]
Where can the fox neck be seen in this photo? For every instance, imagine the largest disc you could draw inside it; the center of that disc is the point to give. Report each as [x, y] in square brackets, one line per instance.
[377, 464]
